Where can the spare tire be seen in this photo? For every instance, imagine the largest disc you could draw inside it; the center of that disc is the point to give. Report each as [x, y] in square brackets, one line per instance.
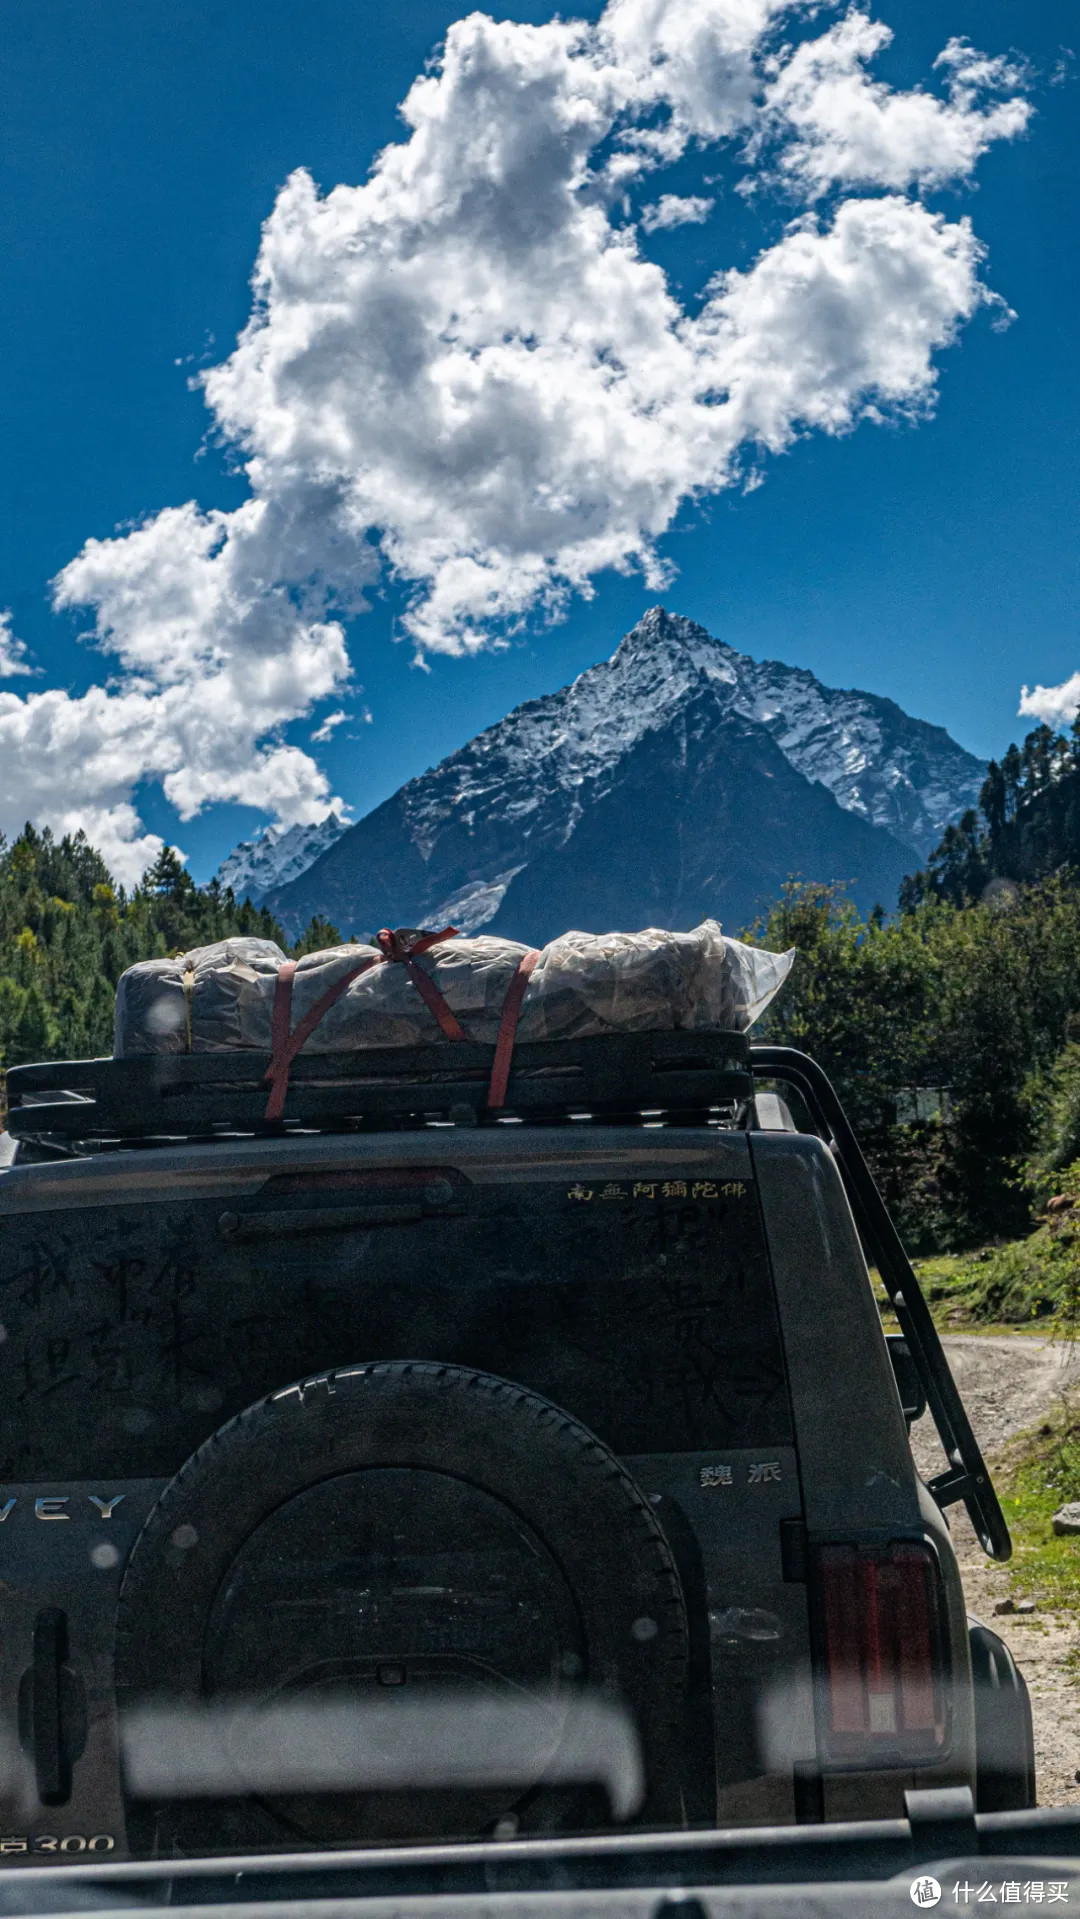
[408, 1525]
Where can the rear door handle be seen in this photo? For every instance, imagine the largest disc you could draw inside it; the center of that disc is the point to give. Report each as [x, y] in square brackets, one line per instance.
[289, 1222]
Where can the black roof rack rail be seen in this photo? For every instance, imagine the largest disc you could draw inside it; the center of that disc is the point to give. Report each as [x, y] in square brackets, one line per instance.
[966, 1477]
[184, 1094]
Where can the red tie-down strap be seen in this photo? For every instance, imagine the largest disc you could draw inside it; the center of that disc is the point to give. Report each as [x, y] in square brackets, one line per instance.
[285, 1044]
[504, 1044]
[401, 947]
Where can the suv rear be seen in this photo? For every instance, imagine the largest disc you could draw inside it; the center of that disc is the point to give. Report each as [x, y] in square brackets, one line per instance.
[391, 1405]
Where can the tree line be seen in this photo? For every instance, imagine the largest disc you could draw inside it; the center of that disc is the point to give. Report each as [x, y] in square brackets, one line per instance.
[952, 1034]
[952, 1029]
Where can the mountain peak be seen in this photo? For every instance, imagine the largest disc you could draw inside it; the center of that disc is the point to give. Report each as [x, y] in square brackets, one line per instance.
[899, 773]
[514, 803]
[276, 855]
[657, 627]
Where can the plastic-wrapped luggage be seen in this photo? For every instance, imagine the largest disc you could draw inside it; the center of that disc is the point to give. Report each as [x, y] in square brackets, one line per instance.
[413, 989]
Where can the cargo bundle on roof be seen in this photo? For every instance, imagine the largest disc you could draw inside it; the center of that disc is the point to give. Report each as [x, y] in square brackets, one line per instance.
[222, 997]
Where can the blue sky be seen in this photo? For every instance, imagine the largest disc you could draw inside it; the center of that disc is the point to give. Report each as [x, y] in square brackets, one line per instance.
[141, 148]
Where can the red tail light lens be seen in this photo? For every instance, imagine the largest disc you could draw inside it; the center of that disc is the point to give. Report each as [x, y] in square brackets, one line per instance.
[882, 1654]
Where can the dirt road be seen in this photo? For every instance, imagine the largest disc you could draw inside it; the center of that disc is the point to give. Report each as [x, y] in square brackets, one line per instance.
[1008, 1384]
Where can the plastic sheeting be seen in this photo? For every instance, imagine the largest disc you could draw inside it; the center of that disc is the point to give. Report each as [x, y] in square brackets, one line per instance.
[220, 998]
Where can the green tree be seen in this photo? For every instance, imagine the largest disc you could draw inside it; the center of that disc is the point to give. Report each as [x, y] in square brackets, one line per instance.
[36, 1031]
[317, 935]
[1027, 826]
[969, 1007]
[67, 932]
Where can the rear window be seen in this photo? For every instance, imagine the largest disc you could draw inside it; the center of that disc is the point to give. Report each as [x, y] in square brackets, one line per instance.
[643, 1305]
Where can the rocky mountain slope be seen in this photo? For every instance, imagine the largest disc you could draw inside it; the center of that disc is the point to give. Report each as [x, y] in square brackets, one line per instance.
[277, 855]
[677, 778]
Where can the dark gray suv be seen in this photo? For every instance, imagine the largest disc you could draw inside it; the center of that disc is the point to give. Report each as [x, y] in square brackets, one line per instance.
[399, 1402]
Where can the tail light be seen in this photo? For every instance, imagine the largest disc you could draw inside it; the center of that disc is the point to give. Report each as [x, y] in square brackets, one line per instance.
[882, 1647]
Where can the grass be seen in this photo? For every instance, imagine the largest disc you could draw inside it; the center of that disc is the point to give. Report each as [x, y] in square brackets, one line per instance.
[1039, 1472]
[1025, 1285]
[955, 1289]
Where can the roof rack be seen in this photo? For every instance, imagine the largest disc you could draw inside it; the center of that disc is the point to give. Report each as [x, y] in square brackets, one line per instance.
[185, 1094]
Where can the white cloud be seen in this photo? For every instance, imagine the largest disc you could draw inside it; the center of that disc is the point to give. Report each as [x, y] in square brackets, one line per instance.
[974, 72]
[675, 210]
[210, 672]
[839, 322]
[1054, 705]
[326, 730]
[72, 762]
[214, 658]
[13, 658]
[466, 373]
[851, 130]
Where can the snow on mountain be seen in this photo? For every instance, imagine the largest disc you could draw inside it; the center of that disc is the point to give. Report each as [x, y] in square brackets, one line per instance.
[451, 844]
[902, 774]
[276, 855]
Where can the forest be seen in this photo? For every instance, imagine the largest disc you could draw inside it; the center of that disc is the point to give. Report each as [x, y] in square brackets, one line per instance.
[950, 1026]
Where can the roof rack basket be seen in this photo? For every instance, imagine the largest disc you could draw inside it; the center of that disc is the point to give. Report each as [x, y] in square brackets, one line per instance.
[185, 1094]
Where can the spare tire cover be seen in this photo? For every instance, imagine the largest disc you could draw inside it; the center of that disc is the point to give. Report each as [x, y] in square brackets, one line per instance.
[404, 1525]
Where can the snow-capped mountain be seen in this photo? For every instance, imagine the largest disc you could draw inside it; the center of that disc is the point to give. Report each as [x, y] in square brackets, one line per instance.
[276, 855]
[776, 772]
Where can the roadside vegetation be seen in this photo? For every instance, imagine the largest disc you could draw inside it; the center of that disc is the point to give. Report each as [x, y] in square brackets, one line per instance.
[952, 1034]
[1023, 1285]
[1037, 1474]
[952, 1028]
